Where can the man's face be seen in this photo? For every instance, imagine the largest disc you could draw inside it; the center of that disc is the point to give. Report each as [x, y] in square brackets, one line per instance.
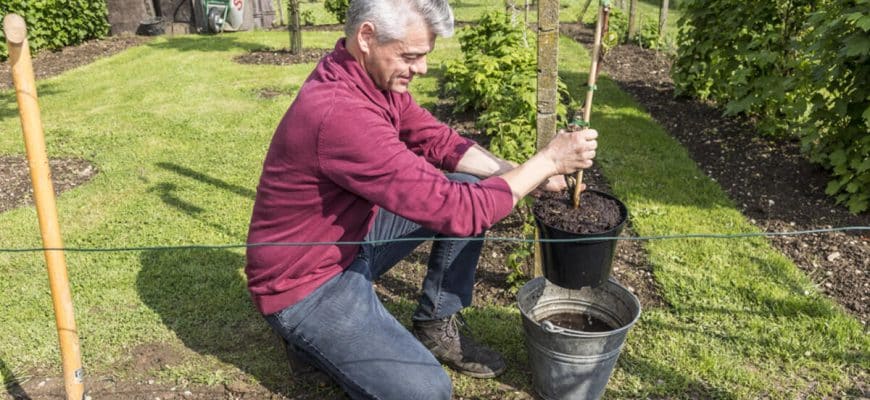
[392, 65]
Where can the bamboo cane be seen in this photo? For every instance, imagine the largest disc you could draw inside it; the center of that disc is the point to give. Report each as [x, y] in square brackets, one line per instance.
[600, 28]
[43, 193]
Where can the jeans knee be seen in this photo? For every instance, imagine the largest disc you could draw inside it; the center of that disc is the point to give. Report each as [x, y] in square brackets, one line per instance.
[442, 387]
[462, 177]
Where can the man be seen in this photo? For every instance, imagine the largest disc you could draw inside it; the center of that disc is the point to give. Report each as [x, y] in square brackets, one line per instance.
[356, 159]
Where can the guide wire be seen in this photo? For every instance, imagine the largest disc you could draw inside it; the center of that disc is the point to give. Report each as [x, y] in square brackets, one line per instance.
[414, 239]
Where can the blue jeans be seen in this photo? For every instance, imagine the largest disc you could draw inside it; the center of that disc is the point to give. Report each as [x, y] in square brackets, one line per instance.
[346, 332]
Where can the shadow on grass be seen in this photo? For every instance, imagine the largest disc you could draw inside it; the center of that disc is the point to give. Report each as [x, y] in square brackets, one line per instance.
[658, 373]
[13, 386]
[167, 192]
[204, 178]
[9, 102]
[202, 296]
[218, 43]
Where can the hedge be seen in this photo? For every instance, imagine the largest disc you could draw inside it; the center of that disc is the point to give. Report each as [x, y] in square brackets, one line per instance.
[797, 67]
[53, 24]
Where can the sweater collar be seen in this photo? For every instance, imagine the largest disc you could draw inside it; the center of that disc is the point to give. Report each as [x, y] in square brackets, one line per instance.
[342, 57]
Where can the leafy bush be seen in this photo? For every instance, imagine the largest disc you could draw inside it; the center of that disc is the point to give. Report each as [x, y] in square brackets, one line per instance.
[53, 24]
[337, 8]
[497, 77]
[648, 36]
[797, 67]
[742, 55]
[837, 106]
[617, 26]
[307, 17]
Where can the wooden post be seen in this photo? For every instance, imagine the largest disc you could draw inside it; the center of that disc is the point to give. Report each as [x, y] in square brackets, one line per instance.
[43, 194]
[663, 19]
[295, 28]
[548, 73]
[632, 20]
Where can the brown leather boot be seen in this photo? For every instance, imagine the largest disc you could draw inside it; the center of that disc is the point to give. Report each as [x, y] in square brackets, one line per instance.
[459, 351]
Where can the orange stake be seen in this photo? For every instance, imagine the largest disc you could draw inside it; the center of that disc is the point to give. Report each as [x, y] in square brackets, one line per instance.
[600, 28]
[43, 194]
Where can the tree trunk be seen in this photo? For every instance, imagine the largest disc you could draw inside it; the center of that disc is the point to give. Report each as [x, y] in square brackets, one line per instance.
[548, 96]
[295, 28]
[632, 20]
[583, 12]
[663, 19]
[280, 13]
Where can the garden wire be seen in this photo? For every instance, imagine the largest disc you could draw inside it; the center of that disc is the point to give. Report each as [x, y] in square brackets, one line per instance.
[412, 239]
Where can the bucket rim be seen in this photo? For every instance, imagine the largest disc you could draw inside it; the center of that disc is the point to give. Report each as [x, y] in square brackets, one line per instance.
[584, 334]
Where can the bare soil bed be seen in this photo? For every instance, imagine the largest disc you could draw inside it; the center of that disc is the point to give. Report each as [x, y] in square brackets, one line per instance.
[774, 186]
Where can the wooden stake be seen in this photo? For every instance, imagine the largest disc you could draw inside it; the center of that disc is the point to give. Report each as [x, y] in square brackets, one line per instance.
[603, 12]
[43, 193]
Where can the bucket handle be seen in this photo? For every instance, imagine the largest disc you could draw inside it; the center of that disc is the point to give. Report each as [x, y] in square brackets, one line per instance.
[550, 328]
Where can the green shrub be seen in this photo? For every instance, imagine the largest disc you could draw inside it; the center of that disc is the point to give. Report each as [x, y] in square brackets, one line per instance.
[307, 17]
[648, 36]
[337, 8]
[53, 24]
[836, 129]
[797, 67]
[497, 77]
[617, 26]
[742, 55]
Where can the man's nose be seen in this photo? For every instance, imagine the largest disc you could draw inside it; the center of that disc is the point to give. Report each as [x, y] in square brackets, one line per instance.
[419, 66]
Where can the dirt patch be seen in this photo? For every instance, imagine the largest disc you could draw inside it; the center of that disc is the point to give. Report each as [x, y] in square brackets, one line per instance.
[66, 173]
[768, 179]
[50, 63]
[281, 56]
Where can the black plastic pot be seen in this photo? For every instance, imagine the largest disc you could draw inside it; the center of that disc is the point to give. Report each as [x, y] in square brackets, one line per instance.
[150, 27]
[578, 264]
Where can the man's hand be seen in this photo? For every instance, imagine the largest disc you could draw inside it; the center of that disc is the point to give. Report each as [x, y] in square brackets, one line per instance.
[554, 184]
[571, 151]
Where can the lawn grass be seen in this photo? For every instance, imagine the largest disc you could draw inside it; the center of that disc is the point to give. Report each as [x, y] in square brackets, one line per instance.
[178, 132]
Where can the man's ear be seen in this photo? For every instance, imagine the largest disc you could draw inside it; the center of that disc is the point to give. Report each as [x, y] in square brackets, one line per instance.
[365, 36]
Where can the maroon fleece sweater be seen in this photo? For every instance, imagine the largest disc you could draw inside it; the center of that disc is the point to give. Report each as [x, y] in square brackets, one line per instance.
[343, 149]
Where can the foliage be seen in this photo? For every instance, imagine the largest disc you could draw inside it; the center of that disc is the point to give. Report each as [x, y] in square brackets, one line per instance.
[307, 17]
[797, 67]
[337, 8]
[648, 36]
[835, 130]
[742, 55]
[617, 26]
[53, 24]
[497, 77]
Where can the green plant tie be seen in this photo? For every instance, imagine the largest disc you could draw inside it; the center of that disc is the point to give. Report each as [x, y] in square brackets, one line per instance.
[605, 3]
[593, 88]
[580, 122]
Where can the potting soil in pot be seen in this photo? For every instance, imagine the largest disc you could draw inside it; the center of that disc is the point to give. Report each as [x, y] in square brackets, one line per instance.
[595, 214]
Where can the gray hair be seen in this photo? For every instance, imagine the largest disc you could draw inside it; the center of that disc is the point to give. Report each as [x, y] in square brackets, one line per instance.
[391, 17]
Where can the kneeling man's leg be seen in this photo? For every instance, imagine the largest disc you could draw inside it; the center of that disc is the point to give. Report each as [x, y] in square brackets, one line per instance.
[349, 334]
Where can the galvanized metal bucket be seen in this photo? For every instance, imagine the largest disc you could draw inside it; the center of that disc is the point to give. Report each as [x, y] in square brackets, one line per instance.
[573, 364]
